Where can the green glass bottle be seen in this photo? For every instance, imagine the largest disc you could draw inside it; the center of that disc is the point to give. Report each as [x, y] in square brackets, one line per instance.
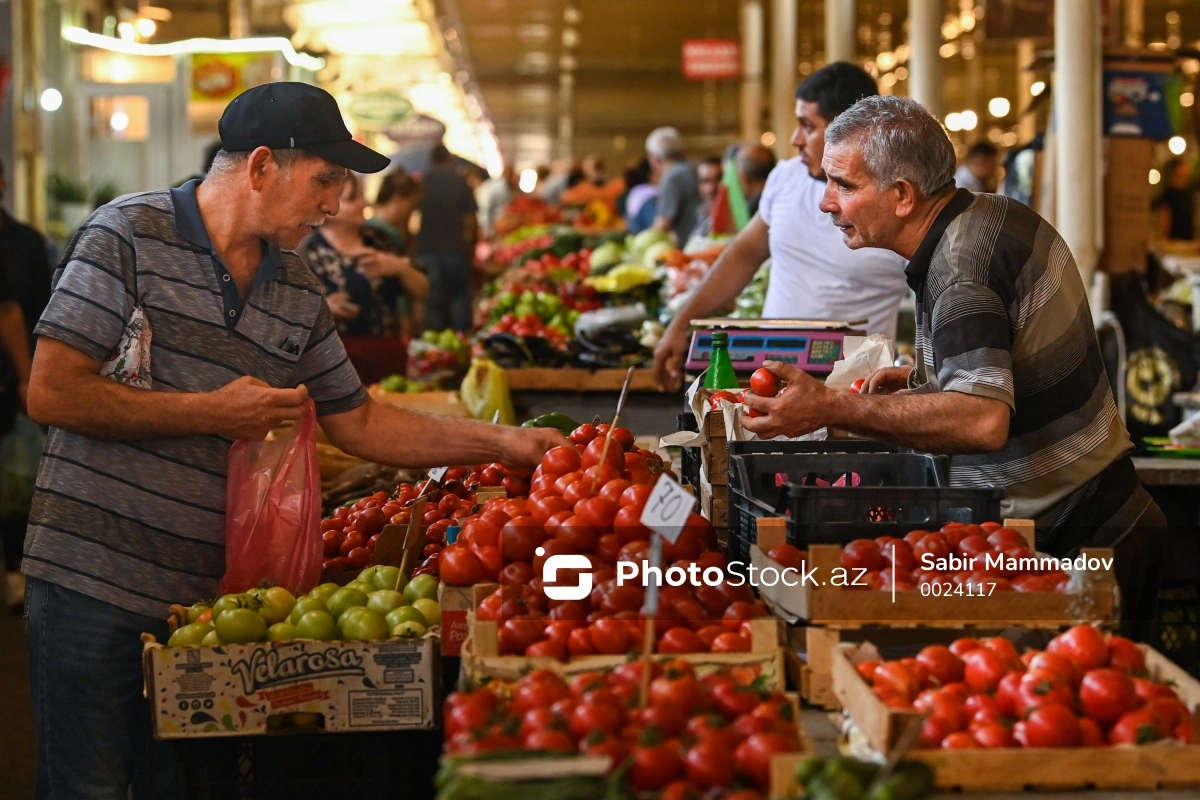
[720, 373]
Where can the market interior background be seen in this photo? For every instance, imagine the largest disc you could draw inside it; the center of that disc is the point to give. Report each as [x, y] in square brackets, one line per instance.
[106, 97]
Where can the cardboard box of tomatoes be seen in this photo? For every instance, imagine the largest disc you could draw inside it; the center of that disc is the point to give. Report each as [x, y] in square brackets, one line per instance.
[1090, 710]
[270, 687]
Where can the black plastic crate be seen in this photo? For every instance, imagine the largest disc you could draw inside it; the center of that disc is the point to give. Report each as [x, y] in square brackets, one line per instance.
[362, 766]
[897, 493]
[1176, 632]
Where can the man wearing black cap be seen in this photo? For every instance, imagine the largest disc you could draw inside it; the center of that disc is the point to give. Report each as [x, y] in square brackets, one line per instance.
[179, 323]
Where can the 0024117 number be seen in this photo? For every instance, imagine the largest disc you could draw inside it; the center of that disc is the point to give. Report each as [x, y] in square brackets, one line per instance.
[964, 589]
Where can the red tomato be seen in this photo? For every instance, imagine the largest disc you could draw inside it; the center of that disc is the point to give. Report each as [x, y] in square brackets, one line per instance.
[579, 642]
[737, 612]
[598, 512]
[1003, 648]
[960, 646]
[1124, 655]
[583, 434]
[708, 764]
[934, 545]
[898, 678]
[1090, 734]
[479, 533]
[1008, 693]
[614, 489]
[547, 648]
[712, 728]
[614, 458]
[1106, 695]
[549, 739]
[520, 538]
[786, 555]
[1051, 726]
[655, 765]
[679, 790]
[708, 634]
[754, 755]
[1083, 644]
[984, 669]
[857, 385]
[610, 636]
[460, 566]
[1171, 713]
[636, 496]
[1149, 690]
[1052, 662]
[1041, 689]
[862, 554]
[942, 665]
[593, 716]
[764, 383]
[960, 740]
[681, 691]
[599, 744]
[561, 460]
[680, 640]
[730, 643]
[491, 560]
[1141, 726]
[993, 735]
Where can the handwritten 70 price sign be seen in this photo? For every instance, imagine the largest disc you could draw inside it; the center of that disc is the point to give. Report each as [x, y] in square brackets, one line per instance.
[666, 514]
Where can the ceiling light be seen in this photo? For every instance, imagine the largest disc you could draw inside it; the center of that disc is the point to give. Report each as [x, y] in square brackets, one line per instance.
[253, 45]
[767, 139]
[145, 27]
[954, 121]
[948, 50]
[51, 100]
[999, 107]
[1186, 99]
[528, 180]
[1155, 177]
[126, 32]
[969, 120]
[1008, 139]
[1177, 145]
[1037, 88]
[119, 121]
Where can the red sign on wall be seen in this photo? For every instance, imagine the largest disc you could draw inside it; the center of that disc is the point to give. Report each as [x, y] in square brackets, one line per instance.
[712, 59]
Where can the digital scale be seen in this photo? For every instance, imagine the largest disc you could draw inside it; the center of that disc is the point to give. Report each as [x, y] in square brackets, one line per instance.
[811, 345]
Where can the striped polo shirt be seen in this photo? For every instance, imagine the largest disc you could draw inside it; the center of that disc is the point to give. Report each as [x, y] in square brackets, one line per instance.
[1002, 313]
[141, 524]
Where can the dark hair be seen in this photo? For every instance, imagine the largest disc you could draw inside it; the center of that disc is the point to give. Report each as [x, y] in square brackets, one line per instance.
[397, 183]
[637, 173]
[711, 161]
[755, 162]
[982, 150]
[439, 154]
[835, 87]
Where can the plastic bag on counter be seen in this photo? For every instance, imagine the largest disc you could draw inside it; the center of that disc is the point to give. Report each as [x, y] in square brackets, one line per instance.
[20, 453]
[485, 391]
[273, 511]
[862, 355]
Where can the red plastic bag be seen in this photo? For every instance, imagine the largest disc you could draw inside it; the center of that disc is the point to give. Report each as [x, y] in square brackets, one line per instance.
[273, 511]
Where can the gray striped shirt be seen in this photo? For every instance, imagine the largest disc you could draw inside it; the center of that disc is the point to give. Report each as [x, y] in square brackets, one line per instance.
[141, 524]
[1002, 313]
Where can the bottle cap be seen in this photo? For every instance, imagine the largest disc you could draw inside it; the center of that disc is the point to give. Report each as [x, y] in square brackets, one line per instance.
[720, 337]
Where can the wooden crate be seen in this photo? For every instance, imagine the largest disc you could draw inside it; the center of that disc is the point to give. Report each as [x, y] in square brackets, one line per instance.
[572, 379]
[839, 606]
[714, 459]
[1165, 765]
[714, 504]
[482, 659]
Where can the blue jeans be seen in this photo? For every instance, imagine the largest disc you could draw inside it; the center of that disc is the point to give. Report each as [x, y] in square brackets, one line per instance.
[93, 724]
[449, 301]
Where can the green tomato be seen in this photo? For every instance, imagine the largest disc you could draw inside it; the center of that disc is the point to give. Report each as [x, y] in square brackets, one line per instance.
[366, 587]
[277, 603]
[240, 626]
[365, 626]
[196, 610]
[384, 600]
[343, 599]
[281, 632]
[367, 576]
[409, 630]
[317, 625]
[406, 614]
[323, 591]
[386, 577]
[421, 586]
[430, 610]
[229, 602]
[189, 635]
[211, 639]
[303, 606]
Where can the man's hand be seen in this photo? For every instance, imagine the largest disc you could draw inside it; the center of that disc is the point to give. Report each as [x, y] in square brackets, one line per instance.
[523, 448]
[668, 358]
[248, 408]
[799, 409]
[888, 380]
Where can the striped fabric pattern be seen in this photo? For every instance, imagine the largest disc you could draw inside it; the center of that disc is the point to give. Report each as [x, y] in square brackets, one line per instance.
[1002, 313]
[141, 524]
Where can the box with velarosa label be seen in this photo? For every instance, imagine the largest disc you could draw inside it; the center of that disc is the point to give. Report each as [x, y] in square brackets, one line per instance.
[457, 602]
[296, 686]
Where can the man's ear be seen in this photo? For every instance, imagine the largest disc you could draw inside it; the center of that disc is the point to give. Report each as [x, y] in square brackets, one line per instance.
[906, 197]
[258, 167]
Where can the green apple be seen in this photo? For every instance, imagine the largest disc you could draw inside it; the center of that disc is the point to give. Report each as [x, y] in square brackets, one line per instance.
[305, 605]
[384, 600]
[405, 614]
[430, 610]
[317, 625]
[421, 586]
[281, 632]
[344, 598]
[366, 625]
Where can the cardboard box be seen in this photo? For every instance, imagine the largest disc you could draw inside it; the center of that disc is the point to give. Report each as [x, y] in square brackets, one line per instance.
[457, 603]
[252, 689]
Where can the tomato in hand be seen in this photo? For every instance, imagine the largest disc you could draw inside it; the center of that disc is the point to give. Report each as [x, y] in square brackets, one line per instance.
[857, 386]
[764, 383]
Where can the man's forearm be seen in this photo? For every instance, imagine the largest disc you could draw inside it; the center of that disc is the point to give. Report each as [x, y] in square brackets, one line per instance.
[369, 433]
[941, 422]
[15, 340]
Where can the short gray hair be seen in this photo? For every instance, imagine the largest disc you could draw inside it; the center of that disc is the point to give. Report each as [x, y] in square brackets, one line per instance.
[898, 139]
[665, 143]
[226, 162]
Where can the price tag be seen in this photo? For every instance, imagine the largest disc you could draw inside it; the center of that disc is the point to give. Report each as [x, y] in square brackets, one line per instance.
[650, 603]
[668, 508]
[437, 474]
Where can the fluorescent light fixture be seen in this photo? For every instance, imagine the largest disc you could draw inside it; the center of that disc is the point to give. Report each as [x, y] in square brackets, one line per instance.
[85, 37]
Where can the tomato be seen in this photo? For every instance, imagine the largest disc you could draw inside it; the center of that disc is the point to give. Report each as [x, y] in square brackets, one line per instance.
[655, 765]
[547, 648]
[614, 489]
[576, 536]
[993, 735]
[583, 434]
[614, 458]
[681, 691]
[1140, 726]
[491, 559]
[975, 548]
[539, 689]
[610, 636]
[708, 764]
[1124, 655]
[857, 385]
[1003, 648]
[948, 707]
[898, 678]
[1148, 690]
[679, 790]
[636, 496]
[960, 646]
[468, 716]
[546, 507]
[764, 383]
[602, 744]
[550, 740]
[862, 554]
[623, 437]
[593, 716]
[984, 669]
[680, 640]
[942, 665]
[667, 720]
[1008, 693]
[1052, 662]
[479, 533]
[738, 612]
[712, 728]
[730, 643]
[960, 741]
[561, 460]
[460, 566]
[733, 700]
[1083, 644]
[1051, 726]
[1090, 734]
[714, 402]
[934, 545]
[755, 753]
[1171, 712]
[517, 635]
[1106, 695]
[1040, 689]
[598, 512]
[787, 556]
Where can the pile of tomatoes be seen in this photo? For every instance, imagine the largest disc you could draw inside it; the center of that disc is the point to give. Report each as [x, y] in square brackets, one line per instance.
[350, 535]
[1084, 690]
[908, 557]
[694, 736]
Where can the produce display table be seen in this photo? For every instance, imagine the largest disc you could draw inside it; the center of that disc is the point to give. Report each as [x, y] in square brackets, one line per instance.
[583, 394]
[1155, 471]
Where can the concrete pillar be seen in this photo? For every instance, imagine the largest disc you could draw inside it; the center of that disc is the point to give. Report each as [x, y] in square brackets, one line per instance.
[1135, 24]
[841, 35]
[924, 64]
[783, 73]
[1077, 120]
[753, 48]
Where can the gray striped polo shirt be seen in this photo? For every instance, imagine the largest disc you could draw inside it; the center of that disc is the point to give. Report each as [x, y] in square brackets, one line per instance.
[141, 524]
[1002, 313]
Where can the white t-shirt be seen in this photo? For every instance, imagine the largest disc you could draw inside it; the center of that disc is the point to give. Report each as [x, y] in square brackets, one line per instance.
[814, 275]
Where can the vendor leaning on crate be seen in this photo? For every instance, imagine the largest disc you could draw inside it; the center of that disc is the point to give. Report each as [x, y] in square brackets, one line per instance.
[129, 514]
[1009, 377]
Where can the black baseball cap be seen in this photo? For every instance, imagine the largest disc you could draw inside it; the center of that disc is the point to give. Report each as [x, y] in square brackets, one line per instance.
[286, 114]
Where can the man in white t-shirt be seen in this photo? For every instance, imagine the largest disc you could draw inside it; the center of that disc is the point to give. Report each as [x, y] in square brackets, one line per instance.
[813, 274]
